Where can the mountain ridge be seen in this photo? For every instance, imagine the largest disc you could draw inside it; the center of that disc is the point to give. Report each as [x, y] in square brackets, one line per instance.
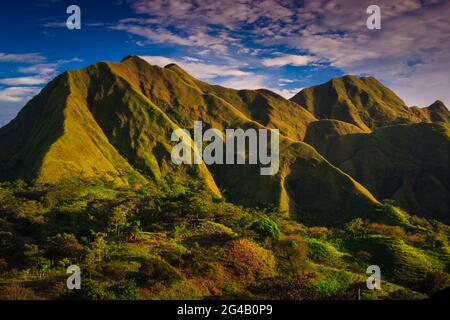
[114, 120]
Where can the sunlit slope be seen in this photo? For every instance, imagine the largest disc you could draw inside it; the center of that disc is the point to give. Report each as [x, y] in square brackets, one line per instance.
[55, 137]
[364, 102]
[186, 98]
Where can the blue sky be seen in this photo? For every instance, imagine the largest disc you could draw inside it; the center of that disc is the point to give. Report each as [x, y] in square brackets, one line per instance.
[282, 45]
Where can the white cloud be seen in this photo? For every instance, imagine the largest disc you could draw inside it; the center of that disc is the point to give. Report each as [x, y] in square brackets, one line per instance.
[18, 94]
[191, 59]
[251, 83]
[287, 93]
[42, 69]
[294, 60]
[27, 81]
[21, 58]
[198, 69]
[287, 80]
[410, 53]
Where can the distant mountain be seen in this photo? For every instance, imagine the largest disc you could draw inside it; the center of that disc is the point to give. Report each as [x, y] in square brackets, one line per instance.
[364, 102]
[437, 112]
[114, 120]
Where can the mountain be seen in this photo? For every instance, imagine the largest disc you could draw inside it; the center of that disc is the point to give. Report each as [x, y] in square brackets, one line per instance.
[406, 163]
[437, 112]
[103, 193]
[396, 152]
[364, 102]
[115, 120]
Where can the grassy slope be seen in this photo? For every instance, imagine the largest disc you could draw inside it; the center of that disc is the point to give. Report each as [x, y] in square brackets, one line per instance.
[408, 163]
[302, 173]
[117, 119]
[364, 102]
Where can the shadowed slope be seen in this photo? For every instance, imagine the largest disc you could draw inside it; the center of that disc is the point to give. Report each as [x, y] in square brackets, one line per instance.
[408, 163]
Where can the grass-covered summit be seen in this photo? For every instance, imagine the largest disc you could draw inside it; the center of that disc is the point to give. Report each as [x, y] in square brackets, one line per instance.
[366, 103]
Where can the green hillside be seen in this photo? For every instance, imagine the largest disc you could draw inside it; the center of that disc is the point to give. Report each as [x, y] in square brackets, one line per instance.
[364, 102]
[124, 113]
[86, 178]
[407, 163]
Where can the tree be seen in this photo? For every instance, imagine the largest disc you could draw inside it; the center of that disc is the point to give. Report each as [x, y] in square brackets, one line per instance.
[96, 253]
[64, 245]
[118, 218]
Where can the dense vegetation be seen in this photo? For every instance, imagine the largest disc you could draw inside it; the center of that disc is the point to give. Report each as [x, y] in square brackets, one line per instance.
[174, 240]
[102, 192]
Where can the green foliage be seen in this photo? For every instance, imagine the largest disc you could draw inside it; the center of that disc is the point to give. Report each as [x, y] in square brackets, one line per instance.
[266, 227]
[64, 246]
[149, 244]
[98, 290]
[323, 252]
[333, 283]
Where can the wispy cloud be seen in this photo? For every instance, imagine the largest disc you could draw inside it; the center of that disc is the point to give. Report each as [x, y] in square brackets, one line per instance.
[330, 32]
[412, 30]
[21, 58]
[284, 60]
[18, 94]
[198, 69]
[23, 81]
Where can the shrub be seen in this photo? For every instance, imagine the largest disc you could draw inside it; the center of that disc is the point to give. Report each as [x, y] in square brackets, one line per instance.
[356, 228]
[125, 290]
[294, 251]
[363, 256]
[436, 281]
[299, 287]
[266, 227]
[318, 232]
[15, 291]
[64, 245]
[155, 270]
[392, 231]
[323, 252]
[333, 284]
[250, 260]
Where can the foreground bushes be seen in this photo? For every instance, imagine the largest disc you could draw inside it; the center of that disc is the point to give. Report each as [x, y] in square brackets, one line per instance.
[176, 241]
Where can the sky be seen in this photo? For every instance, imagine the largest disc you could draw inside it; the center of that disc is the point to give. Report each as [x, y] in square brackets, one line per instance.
[281, 45]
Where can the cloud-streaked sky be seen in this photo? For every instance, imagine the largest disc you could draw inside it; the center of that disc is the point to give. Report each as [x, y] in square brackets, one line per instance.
[282, 45]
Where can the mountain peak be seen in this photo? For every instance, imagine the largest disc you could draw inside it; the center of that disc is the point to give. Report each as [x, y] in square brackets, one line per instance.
[362, 101]
[438, 105]
[179, 70]
[131, 57]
